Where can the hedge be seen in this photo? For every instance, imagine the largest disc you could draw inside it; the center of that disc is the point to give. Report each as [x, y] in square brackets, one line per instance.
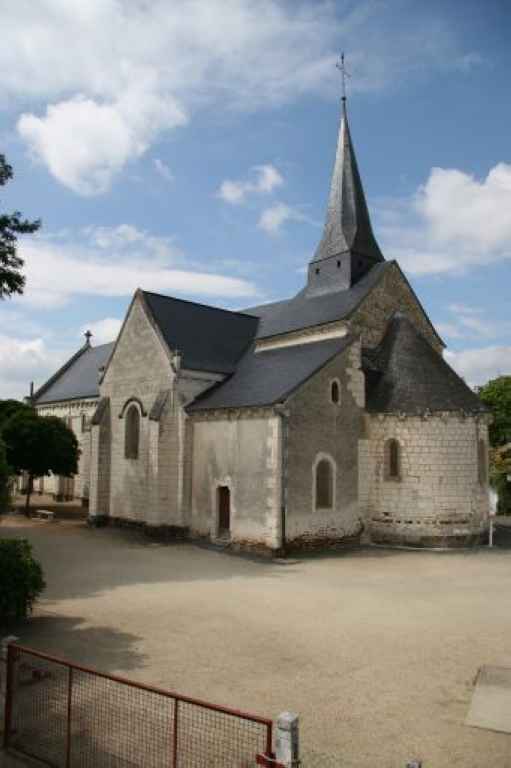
[21, 579]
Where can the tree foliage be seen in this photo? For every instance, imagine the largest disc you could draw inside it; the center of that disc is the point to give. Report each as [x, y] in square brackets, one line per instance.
[21, 579]
[5, 474]
[497, 395]
[39, 445]
[11, 225]
[9, 407]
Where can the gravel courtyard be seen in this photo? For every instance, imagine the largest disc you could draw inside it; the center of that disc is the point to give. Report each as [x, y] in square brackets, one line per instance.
[376, 650]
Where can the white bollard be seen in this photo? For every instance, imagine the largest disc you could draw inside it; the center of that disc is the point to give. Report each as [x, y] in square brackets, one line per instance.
[287, 742]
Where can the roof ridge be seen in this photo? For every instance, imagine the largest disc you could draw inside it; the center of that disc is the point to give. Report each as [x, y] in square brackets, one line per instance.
[197, 303]
[95, 347]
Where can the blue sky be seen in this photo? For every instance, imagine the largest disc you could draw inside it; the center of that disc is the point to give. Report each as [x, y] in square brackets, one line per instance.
[186, 147]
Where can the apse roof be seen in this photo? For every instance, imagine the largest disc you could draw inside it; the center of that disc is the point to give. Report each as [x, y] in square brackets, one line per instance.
[406, 375]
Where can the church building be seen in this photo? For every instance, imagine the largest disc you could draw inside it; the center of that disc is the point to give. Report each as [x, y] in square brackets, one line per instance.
[319, 420]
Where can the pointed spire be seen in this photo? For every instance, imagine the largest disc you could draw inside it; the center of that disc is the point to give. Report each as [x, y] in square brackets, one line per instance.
[347, 226]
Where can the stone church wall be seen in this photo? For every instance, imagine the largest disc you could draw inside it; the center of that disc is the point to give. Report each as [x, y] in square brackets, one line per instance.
[77, 414]
[100, 465]
[240, 450]
[140, 369]
[438, 499]
[319, 428]
[390, 295]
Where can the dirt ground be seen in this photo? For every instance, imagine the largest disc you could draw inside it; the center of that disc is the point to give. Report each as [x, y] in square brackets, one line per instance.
[376, 650]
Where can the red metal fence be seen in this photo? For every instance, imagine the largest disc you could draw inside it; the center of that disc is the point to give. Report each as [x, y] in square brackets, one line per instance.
[69, 716]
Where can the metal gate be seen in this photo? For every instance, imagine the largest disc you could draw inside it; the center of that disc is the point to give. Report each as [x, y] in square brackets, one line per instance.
[69, 716]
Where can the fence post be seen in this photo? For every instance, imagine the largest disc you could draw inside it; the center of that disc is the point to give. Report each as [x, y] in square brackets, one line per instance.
[7, 684]
[69, 711]
[287, 742]
[174, 734]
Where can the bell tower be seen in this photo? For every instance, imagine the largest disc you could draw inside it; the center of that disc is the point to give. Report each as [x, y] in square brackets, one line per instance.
[348, 248]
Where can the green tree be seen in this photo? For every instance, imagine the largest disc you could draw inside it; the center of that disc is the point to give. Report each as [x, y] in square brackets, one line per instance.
[9, 407]
[5, 474]
[39, 445]
[497, 395]
[11, 225]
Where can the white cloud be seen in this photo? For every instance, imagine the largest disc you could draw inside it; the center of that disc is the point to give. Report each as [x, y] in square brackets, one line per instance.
[109, 76]
[104, 330]
[23, 361]
[449, 331]
[266, 179]
[477, 366]
[468, 322]
[462, 209]
[163, 169]
[115, 237]
[453, 223]
[85, 143]
[273, 218]
[114, 262]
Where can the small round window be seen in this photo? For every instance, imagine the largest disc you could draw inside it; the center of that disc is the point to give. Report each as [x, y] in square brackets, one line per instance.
[335, 392]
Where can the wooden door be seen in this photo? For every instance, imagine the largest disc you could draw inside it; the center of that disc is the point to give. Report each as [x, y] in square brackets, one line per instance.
[224, 510]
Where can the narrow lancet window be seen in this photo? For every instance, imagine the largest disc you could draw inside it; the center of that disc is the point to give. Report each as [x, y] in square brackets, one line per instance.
[324, 485]
[392, 460]
[132, 433]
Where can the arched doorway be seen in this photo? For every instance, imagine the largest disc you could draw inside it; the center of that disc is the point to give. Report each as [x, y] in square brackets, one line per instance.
[224, 511]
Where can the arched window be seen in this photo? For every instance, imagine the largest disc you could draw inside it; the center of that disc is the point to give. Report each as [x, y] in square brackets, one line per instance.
[324, 485]
[335, 392]
[482, 462]
[392, 460]
[132, 432]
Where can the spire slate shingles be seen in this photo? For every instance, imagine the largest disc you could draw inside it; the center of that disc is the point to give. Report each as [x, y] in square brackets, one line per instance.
[347, 225]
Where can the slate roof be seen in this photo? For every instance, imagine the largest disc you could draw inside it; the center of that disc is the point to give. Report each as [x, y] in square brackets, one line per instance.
[78, 377]
[208, 338]
[304, 311]
[269, 377]
[347, 225]
[406, 375]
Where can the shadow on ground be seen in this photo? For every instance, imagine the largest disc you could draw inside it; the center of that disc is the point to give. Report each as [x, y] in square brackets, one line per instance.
[82, 562]
[73, 639]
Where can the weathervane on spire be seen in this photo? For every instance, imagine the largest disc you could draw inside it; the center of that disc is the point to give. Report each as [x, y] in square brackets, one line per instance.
[344, 74]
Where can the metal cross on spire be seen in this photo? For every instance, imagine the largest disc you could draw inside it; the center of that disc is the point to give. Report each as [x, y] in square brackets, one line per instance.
[344, 74]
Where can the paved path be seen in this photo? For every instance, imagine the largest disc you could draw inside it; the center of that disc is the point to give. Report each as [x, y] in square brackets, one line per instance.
[376, 650]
